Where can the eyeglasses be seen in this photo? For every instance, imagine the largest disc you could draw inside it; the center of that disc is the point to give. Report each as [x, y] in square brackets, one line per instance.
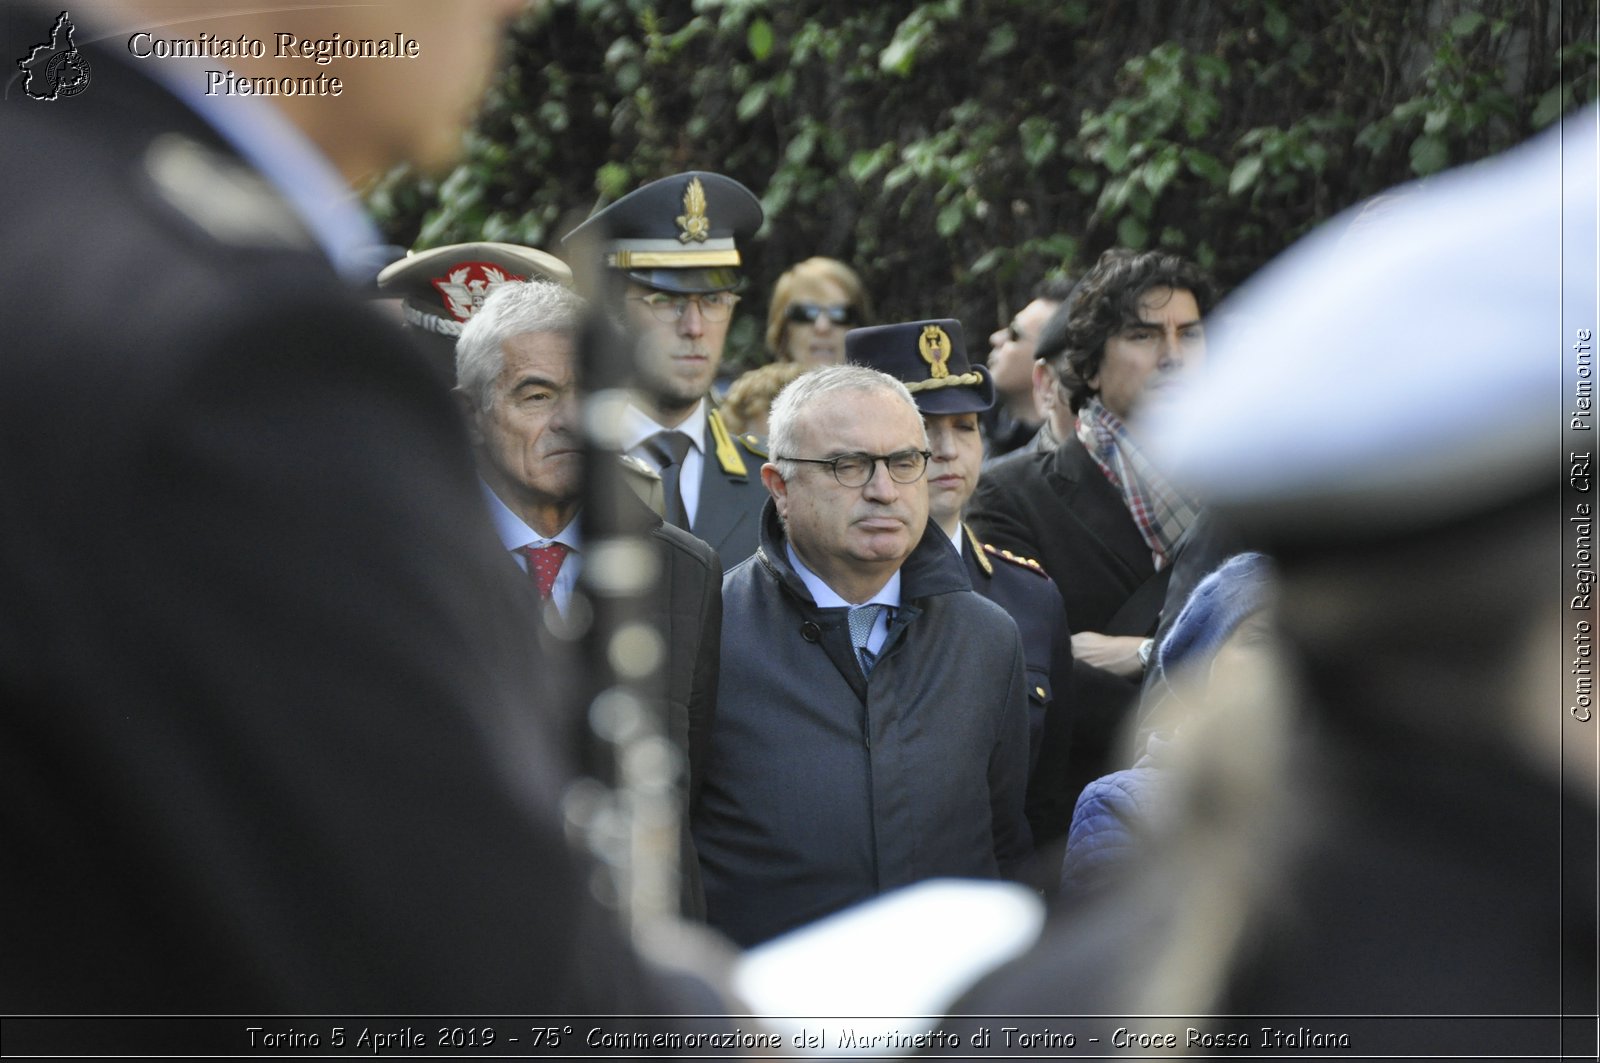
[854, 470]
[807, 314]
[714, 306]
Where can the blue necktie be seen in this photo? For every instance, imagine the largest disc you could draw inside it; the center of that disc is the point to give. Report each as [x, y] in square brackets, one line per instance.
[862, 617]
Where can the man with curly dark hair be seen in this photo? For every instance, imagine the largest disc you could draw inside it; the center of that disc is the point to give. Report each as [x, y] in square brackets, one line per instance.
[1101, 519]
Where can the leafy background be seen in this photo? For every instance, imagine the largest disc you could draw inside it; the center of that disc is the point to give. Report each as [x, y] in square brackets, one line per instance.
[957, 151]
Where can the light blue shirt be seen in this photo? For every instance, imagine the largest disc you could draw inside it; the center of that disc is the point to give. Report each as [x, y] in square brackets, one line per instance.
[515, 534]
[888, 595]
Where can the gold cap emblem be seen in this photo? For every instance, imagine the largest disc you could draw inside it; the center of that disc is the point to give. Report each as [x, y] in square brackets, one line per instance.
[693, 221]
[934, 343]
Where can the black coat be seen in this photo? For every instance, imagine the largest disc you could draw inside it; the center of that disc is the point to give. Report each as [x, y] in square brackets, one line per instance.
[270, 739]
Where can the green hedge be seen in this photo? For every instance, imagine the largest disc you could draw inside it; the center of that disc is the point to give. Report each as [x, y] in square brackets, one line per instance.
[956, 151]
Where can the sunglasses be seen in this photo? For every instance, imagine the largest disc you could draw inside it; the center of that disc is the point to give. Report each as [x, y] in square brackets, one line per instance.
[807, 314]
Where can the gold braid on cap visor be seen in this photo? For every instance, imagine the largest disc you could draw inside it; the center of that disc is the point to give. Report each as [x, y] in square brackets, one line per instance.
[965, 380]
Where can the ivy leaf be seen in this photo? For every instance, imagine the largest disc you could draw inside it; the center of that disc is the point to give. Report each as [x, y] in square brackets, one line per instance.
[1429, 154]
[1207, 167]
[949, 219]
[759, 38]
[1551, 106]
[1131, 232]
[753, 100]
[1244, 174]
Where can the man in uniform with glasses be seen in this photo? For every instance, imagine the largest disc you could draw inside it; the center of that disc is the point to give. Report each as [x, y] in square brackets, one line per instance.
[675, 243]
[871, 726]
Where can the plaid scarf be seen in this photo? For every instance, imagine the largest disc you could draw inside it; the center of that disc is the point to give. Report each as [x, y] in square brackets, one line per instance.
[1162, 514]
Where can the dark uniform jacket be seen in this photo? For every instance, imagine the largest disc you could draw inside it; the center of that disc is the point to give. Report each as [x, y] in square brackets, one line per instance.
[1020, 587]
[824, 787]
[1059, 507]
[731, 492]
[270, 739]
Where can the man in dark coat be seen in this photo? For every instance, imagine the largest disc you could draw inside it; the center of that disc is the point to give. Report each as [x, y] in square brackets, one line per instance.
[952, 393]
[674, 246]
[871, 717]
[517, 383]
[1409, 829]
[1094, 512]
[269, 733]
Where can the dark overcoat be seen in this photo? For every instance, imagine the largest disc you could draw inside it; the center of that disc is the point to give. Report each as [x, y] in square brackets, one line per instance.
[825, 788]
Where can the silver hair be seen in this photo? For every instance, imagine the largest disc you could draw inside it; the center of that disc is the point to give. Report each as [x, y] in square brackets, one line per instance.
[512, 309]
[801, 393]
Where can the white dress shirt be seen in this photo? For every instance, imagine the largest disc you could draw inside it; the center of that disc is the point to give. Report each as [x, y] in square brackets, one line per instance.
[638, 426]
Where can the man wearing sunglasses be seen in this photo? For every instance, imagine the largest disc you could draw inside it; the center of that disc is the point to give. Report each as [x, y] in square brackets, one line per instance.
[675, 242]
[1016, 417]
[871, 727]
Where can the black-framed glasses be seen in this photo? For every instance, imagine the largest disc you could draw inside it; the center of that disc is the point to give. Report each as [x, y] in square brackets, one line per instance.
[854, 470]
[668, 307]
[808, 313]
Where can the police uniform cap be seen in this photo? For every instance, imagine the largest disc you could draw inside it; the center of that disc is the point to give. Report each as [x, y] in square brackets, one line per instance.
[678, 234]
[929, 358]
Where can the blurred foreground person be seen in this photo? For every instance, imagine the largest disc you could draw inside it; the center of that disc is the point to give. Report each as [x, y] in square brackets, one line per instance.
[872, 725]
[271, 729]
[1221, 641]
[1418, 836]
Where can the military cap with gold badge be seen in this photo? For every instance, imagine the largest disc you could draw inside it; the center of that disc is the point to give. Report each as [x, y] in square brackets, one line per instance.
[930, 358]
[679, 234]
[441, 288]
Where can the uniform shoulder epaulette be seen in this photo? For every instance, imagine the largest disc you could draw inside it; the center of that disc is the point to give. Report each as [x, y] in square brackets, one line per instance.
[754, 444]
[638, 467]
[1021, 562]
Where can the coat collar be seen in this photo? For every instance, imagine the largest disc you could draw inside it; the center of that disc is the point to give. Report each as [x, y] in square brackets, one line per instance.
[933, 568]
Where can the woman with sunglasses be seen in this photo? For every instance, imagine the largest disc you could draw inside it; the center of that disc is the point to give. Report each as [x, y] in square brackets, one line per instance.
[813, 305]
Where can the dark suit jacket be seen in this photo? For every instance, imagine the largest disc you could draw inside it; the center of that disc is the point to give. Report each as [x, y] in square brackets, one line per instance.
[731, 497]
[271, 738]
[1059, 507]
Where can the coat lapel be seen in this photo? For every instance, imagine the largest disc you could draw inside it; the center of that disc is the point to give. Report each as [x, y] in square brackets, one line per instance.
[1089, 497]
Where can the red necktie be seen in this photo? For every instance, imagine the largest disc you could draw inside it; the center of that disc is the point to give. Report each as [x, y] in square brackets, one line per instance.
[543, 564]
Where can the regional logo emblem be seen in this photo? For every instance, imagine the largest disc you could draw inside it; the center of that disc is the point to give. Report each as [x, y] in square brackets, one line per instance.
[55, 69]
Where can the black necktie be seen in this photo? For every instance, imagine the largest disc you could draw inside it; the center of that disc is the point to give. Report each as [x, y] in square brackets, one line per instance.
[669, 448]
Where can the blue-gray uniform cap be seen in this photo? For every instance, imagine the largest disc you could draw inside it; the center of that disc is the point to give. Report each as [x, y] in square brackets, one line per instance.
[1406, 371]
[929, 358]
[679, 234]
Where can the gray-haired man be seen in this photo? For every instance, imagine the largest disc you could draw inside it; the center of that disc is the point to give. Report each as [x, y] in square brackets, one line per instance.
[872, 715]
[515, 376]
